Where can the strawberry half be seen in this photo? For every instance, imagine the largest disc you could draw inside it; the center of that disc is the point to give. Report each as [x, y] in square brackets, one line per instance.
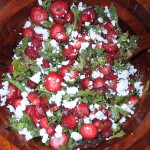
[28, 32]
[34, 98]
[12, 91]
[88, 131]
[53, 82]
[69, 122]
[57, 142]
[38, 15]
[110, 48]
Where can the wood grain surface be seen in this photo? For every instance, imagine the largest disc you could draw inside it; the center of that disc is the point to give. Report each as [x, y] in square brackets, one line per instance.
[134, 17]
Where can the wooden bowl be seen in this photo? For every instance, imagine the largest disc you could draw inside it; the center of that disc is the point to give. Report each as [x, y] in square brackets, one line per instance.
[134, 16]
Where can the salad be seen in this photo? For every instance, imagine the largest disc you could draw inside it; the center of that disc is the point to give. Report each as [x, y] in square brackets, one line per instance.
[68, 82]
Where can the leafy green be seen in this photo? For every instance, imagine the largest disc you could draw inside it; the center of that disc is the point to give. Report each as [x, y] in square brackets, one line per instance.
[113, 12]
[100, 11]
[117, 135]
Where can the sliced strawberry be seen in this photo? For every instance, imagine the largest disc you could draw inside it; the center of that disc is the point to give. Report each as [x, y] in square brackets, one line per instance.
[106, 124]
[59, 8]
[105, 69]
[106, 133]
[88, 131]
[69, 17]
[115, 55]
[44, 122]
[61, 20]
[36, 42]
[31, 84]
[109, 59]
[28, 32]
[86, 83]
[34, 98]
[89, 14]
[51, 129]
[60, 37]
[39, 112]
[97, 123]
[112, 84]
[111, 36]
[133, 100]
[81, 110]
[109, 26]
[12, 91]
[87, 71]
[110, 48]
[53, 82]
[79, 26]
[32, 53]
[16, 102]
[10, 69]
[38, 36]
[70, 53]
[46, 63]
[38, 15]
[53, 107]
[69, 122]
[98, 83]
[35, 120]
[57, 142]
[43, 100]
[30, 110]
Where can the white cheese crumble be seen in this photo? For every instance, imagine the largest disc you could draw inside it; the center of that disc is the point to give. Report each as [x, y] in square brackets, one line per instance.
[58, 131]
[27, 24]
[44, 135]
[127, 108]
[26, 133]
[139, 87]
[40, 2]
[72, 90]
[36, 77]
[96, 74]
[76, 136]
[70, 104]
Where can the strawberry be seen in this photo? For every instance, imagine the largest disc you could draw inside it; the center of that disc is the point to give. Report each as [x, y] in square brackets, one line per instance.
[61, 20]
[39, 112]
[87, 71]
[97, 123]
[43, 100]
[36, 43]
[115, 55]
[69, 122]
[70, 53]
[111, 36]
[34, 98]
[28, 32]
[44, 122]
[98, 83]
[35, 120]
[38, 15]
[51, 129]
[79, 26]
[133, 100]
[59, 8]
[38, 36]
[86, 83]
[53, 107]
[12, 91]
[88, 15]
[105, 69]
[60, 37]
[112, 84]
[30, 110]
[105, 124]
[46, 63]
[32, 53]
[109, 26]
[69, 17]
[53, 82]
[88, 131]
[110, 48]
[31, 84]
[65, 70]
[57, 142]
[81, 110]
[16, 102]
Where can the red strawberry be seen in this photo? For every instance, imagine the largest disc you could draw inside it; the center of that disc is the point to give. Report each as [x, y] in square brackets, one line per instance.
[57, 142]
[30, 110]
[133, 100]
[12, 91]
[36, 42]
[98, 83]
[32, 53]
[51, 129]
[35, 120]
[79, 26]
[34, 98]
[69, 17]
[111, 35]
[88, 131]
[87, 71]
[109, 26]
[81, 110]
[110, 48]
[109, 59]
[46, 63]
[16, 102]
[43, 100]
[28, 32]
[61, 20]
[115, 55]
[39, 112]
[59, 8]
[112, 84]
[38, 15]
[88, 15]
[31, 84]
[38, 36]
[53, 107]
[105, 69]
[70, 53]
[60, 37]
[69, 122]
[86, 83]
[106, 124]
[97, 123]
[44, 122]
[53, 82]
